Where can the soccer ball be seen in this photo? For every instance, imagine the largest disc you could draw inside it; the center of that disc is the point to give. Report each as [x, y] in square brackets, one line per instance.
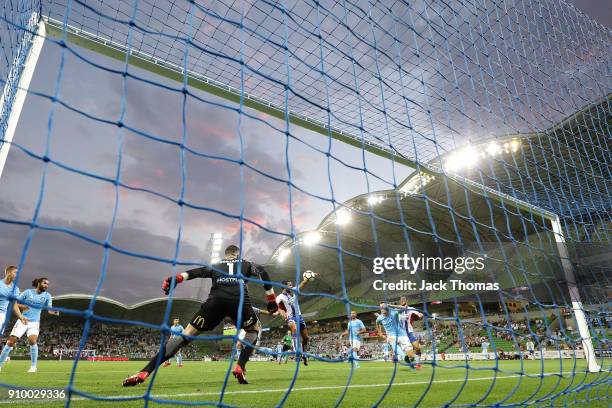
[309, 275]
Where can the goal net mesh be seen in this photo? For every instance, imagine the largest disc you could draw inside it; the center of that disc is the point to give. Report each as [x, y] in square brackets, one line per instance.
[443, 131]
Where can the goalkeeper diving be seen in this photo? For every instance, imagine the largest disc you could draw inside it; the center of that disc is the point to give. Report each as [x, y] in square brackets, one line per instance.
[223, 301]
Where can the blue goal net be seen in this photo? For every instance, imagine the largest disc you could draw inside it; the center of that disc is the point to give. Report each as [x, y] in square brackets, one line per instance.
[446, 164]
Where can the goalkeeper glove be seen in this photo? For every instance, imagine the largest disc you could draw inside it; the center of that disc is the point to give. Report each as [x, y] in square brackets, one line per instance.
[272, 306]
[168, 282]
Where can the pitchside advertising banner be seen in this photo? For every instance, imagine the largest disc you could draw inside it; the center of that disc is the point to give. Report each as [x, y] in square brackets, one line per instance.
[547, 355]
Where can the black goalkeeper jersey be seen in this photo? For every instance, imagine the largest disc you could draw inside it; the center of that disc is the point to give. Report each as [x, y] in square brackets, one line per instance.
[225, 283]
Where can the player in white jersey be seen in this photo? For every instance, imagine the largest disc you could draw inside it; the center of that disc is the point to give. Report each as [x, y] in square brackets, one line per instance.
[485, 346]
[258, 312]
[279, 352]
[355, 328]
[36, 300]
[530, 349]
[9, 290]
[241, 336]
[290, 310]
[408, 315]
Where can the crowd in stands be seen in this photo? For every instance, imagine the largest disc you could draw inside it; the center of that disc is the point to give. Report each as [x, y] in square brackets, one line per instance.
[105, 340]
[507, 339]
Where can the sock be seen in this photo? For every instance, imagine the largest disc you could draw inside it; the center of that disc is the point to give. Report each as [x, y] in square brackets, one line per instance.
[244, 356]
[355, 356]
[179, 358]
[305, 348]
[172, 347]
[294, 339]
[34, 354]
[417, 358]
[5, 353]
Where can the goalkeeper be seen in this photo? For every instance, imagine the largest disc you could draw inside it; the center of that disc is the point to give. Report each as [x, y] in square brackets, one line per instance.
[223, 301]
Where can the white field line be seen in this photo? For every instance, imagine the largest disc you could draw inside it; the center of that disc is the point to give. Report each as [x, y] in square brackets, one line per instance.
[298, 389]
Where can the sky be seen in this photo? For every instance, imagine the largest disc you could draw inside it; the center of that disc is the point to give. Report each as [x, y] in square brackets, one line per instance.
[598, 10]
[143, 220]
[146, 224]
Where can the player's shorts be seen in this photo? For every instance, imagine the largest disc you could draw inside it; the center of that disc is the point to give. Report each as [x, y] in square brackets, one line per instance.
[355, 343]
[215, 309]
[286, 347]
[402, 342]
[32, 329]
[412, 337]
[296, 319]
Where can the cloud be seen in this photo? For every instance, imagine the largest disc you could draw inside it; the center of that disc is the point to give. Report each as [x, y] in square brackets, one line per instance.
[74, 265]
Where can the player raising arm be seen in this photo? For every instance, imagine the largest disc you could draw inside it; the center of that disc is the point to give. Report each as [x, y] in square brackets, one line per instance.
[354, 329]
[408, 315]
[36, 299]
[223, 301]
[288, 308]
[394, 333]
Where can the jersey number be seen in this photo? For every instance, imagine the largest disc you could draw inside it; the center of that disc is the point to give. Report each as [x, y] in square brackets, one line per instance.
[230, 267]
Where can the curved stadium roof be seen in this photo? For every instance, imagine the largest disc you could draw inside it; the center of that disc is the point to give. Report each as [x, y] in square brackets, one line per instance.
[559, 170]
[150, 311]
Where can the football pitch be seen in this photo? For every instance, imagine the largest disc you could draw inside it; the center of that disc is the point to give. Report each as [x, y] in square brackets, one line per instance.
[323, 384]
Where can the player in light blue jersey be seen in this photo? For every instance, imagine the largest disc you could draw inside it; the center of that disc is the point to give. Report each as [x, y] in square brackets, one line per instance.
[386, 350]
[36, 300]
[394, 333]
[176, 330]
[8, 289]
[408, 315]
[355, 328]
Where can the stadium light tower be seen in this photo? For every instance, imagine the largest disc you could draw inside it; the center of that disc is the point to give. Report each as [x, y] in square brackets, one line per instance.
[342, 216]
[213, 247]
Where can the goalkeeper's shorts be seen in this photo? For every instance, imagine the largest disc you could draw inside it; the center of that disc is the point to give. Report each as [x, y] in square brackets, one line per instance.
[215, 309]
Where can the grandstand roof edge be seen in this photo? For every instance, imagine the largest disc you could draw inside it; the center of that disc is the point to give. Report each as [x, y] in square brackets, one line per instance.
[118, 303]
[92, 42]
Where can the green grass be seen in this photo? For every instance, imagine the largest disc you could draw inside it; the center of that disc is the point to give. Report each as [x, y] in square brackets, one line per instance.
[322, 384]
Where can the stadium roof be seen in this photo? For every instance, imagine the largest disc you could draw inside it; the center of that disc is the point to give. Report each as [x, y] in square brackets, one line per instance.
[150, 311]
[431, 215]
[431, 74]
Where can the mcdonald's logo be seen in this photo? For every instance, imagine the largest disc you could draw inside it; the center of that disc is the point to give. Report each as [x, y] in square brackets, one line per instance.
[198, 321]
